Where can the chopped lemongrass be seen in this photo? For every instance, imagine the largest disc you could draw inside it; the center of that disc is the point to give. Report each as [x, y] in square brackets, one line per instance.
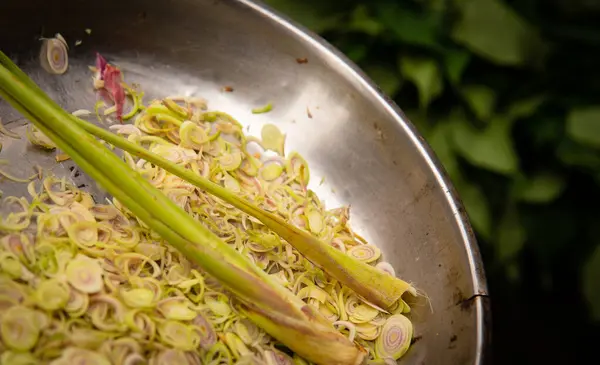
[179, 335]
[19, 329]
[38, 138]
[54, 56]
[386, 267]
[273, 139]
[138, 297]
[61, 157]
[97, 106]
[74, 355]
[81, 113]
[6, 132]
[230, 162]
[61, 39]
[52, 294]
[263, 109]
[177, 309]
[395, 337]
[271, 171]
[366, 253]
[84, 274]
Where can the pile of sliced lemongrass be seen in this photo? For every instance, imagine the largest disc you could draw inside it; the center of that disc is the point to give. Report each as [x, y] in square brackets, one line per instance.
[96, 281]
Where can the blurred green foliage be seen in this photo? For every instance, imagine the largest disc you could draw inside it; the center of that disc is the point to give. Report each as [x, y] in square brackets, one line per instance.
[507, 92]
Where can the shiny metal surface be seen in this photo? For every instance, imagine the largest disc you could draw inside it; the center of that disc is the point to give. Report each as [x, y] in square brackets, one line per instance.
[370, 155]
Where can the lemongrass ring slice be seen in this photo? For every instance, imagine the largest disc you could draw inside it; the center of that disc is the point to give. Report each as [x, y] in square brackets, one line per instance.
[386, 267]
[395, 337]
[85, 274]
[365, 253]
[54, 56]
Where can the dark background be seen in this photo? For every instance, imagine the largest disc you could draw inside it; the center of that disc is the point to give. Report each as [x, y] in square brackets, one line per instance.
[507, 92]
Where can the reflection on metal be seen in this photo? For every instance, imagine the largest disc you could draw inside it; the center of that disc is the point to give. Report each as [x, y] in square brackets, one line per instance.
[370, 155]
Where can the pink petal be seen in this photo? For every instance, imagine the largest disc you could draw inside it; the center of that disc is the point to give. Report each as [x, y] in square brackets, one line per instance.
[112, 83]
[100, 65]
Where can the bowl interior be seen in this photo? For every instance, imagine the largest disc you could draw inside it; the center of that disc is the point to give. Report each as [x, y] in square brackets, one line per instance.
[369, 156]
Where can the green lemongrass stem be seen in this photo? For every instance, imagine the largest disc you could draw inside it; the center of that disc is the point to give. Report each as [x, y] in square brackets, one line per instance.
[373, 284]
[288, 318]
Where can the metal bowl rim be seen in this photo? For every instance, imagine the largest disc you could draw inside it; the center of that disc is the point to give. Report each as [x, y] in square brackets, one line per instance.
[351, 71]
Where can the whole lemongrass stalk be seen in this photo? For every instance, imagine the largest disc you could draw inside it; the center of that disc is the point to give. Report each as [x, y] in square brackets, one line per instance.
[371, 283]
[272, 307]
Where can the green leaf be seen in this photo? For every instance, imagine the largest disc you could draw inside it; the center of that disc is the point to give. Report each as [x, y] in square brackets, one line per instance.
[513, 272]
[583, 125]
[424, 73]
[494, 31]
[526, 107]
[511, 236]
[591, 283]
[481, 100]
[387, 78]
[455, 63]
[574, 154]
[362, 21]
[491, 148]
[440, 139]
[409, 27]
[355, 52]
[540, 188]
[318, 19]
[477, 207]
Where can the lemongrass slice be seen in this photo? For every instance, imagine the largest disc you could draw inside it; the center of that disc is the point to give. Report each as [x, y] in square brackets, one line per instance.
[275, 357]
[177, 309]
[19, 329]
[218, 307]
[236, 345]
[74, 355]
[18, 358]
[273, 139]
[87, 337]
[54, 56]
[366, 253]
[264, 109]
[141, 325]
[52, 294]
[208, 337]
[83, 234]
[271, 171]
[386, 267]
[169, 357]
[178, 335]
[77, 304]
[368, 331]
[138, 298]
[395, 337]
[85, 274]
[230, 161]
[247, 331]
[298, 168]
[6, 132]
[38, 138]
[231, 183]
[351, 327]
[10, 265]
[363, 313]
[192, 135]
[315, 221]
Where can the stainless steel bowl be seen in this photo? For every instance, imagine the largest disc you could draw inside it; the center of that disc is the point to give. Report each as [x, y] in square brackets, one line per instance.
[351, 134]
